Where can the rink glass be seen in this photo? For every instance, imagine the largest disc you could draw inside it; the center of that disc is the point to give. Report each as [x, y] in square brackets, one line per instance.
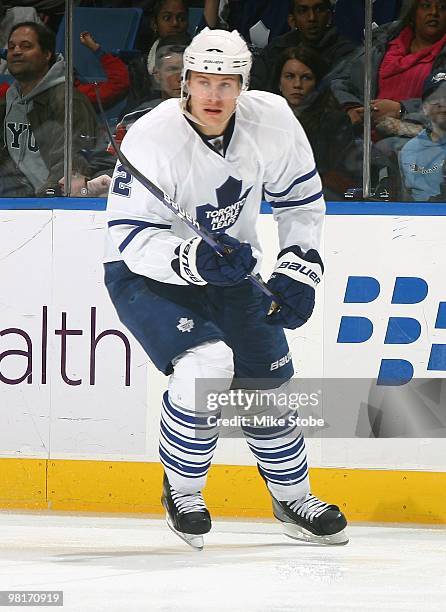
[384, 169]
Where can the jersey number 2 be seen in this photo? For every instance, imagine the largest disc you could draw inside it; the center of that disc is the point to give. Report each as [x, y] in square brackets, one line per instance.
[121, 182]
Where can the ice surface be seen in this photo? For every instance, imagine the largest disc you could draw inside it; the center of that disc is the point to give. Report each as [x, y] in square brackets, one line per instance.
[133, 564]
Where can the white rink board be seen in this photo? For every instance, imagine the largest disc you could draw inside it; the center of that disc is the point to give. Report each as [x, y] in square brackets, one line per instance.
[52, 259]
[384, 248]
[25, 271]
[100, 417]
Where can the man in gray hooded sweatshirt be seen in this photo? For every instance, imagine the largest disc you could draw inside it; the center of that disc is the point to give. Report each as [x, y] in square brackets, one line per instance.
[33, 114]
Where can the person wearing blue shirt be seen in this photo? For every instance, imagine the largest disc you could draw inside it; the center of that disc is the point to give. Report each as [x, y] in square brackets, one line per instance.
[423, 158]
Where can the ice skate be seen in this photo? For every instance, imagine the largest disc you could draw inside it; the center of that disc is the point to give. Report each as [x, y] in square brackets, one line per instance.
[186, 515]
[310, 519]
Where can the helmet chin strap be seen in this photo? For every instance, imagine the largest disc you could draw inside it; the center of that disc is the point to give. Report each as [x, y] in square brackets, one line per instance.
[188, 114]
[184, 101]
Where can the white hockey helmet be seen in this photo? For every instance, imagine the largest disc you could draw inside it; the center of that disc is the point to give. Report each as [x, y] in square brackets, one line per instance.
[218, 52]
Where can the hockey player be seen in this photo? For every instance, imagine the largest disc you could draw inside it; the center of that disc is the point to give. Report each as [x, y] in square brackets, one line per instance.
[217, 151]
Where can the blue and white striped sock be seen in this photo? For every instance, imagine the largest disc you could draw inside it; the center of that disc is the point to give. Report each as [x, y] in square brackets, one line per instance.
[282, 457]
[187, 444]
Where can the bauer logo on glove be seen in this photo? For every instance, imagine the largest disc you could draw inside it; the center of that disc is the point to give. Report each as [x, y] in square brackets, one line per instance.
[294, 280]
[302, 269]
[199, 264]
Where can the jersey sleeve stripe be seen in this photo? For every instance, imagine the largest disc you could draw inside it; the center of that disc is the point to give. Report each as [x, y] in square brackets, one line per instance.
[136, 223]
[300, 179]
[291, 203]
[129, 238]
[139, 227]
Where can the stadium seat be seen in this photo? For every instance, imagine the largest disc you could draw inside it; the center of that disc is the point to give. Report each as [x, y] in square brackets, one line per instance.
[195, 16]
[113, 28]
[349, 16]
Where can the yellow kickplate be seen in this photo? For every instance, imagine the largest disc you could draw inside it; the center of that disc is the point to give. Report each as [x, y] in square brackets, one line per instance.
[23, 483]
[104, 486]
[231, 491]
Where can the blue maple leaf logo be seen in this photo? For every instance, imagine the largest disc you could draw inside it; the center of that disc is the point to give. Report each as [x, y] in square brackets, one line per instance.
[230, 202]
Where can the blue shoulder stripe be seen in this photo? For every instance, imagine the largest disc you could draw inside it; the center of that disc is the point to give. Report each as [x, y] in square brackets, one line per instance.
[300, 179]
[291, 203]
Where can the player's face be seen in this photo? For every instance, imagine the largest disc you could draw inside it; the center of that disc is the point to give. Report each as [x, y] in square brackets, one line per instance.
[430, 19]
[169, 76]
[172, 19]
[26, 60]
[213, 98]
[296, 82]
[311, 18]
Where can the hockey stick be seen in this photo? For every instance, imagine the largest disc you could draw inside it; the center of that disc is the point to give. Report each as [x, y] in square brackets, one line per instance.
[178, 210]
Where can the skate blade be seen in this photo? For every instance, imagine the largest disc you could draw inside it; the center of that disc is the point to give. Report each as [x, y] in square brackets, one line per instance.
[195, 541]
[299, 533]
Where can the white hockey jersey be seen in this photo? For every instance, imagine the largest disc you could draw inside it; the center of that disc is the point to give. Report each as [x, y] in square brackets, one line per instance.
[266, 157]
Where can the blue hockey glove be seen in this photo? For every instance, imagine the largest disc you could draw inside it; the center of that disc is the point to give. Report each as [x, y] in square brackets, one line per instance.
[294, 280]
[199, 264]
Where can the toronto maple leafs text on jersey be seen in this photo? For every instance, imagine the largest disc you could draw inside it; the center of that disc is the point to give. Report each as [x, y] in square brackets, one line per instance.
[266, 156]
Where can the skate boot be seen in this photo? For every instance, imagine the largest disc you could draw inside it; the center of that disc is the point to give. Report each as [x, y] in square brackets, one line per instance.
[186, 515]
[310, 519]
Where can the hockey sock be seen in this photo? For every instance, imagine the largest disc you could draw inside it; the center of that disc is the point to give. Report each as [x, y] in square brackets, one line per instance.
[283, 462]
[280, 452]
[187, 435]
[187, 444]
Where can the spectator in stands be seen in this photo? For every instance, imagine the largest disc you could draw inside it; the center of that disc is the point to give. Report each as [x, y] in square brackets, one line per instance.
[298, 76]
[9, 16]
[350, 16]
[81, 186]
[169, 17]
[167, 71]
[405, 54]
[312, 23]
[12, 15]
[258, 22]
[423, 159]
[141, 41]
[50, 12]
[33, 114]
[113, 89]
[168, 66]
[145, 86]
[167, 74]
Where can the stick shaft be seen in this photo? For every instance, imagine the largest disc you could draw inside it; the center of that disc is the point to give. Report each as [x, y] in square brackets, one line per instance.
[178, 210]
